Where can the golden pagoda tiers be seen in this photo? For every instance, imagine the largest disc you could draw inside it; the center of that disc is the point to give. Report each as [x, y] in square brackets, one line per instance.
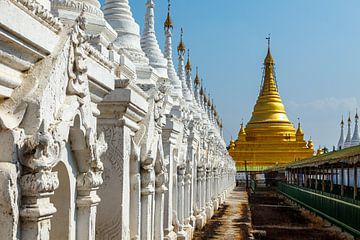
[269, 138]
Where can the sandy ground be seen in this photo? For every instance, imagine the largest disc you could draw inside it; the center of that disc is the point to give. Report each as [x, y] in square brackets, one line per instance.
[231, 221]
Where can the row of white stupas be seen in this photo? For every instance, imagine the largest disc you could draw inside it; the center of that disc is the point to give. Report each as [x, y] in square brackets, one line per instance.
[350, 140]
[100, 137]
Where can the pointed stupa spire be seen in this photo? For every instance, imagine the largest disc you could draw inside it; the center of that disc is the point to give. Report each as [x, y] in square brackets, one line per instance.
[150, 44]
[188, 69]
[341, 139]
[209, 107]
[299, 132]
[355, 138]
[168, 22]
[269, 109]
[168, 53]
[181, 68]
[347, 142]
[242, 133]
[118, 14]
[197, 86]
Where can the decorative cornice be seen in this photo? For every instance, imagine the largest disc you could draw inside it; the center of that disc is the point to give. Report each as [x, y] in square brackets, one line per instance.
[77, 5]
[40, 13]
[97, 56]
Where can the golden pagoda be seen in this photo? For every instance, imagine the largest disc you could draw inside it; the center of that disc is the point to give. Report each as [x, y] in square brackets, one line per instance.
[269, 138]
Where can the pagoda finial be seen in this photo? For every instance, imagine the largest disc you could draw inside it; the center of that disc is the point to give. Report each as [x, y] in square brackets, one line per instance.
[197, 79]
[188, 66]
[269, 40]
[347, 142]
[299, 132]
[202, 92]
[168, 22]
[356, 138]
[181, 47]
[269, 59]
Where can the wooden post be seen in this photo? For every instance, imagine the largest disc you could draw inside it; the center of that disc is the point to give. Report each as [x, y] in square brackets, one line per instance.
[336, 177]
[331, 179]
[316, 178]
[342, 179]
[348, 177]
[323, 179]
[355, 182]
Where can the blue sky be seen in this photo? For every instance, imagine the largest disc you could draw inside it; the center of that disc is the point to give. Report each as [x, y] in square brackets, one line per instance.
[316, 46]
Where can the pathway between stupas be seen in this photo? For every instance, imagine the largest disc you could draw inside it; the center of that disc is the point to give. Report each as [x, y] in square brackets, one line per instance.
[231, 221]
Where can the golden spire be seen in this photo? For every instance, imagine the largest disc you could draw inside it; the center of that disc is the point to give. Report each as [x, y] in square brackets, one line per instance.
[310, 144]
[168, 22]
[269, 59]
[299, 130]
[188, 66]
[269, 109]
[181, 48]
[299, 133]
[242, 134]
[197, 79]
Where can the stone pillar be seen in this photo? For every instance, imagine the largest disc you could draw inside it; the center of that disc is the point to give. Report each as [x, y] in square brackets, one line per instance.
[181, 234]
[187, 199]
[181, 185]
[215, 189]
[147, 197]
[200, 220]
[86, 203]
[203, 194]
[161, 179]
[169, 135]
[209, 207]
[120, 112]
[36, 210]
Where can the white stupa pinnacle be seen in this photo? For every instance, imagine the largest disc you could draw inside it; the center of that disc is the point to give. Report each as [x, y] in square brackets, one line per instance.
[355, 138]
[341, 140]
[188, 68]
[119, 16]
[150, 44]
[197, 87]
[181, 68]
[173, 77]
[347, 142]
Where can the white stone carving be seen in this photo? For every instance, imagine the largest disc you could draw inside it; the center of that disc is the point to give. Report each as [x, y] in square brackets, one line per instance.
[96, 118]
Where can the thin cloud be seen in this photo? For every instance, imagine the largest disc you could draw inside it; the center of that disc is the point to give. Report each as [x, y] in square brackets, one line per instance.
[327, 104]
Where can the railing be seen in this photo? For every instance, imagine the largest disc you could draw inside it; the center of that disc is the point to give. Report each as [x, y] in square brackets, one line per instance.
[342, 213]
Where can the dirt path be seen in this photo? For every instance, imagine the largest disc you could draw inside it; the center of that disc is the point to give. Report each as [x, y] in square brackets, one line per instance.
[231, 221]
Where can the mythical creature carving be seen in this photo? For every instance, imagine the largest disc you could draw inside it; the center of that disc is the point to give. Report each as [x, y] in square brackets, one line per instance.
[39, 152]
[77, 67]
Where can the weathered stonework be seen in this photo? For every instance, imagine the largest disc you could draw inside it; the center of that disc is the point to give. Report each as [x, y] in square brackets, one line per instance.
[96, 139]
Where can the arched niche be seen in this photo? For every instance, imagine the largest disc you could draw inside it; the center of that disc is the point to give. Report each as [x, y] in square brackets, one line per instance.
[60, 223]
